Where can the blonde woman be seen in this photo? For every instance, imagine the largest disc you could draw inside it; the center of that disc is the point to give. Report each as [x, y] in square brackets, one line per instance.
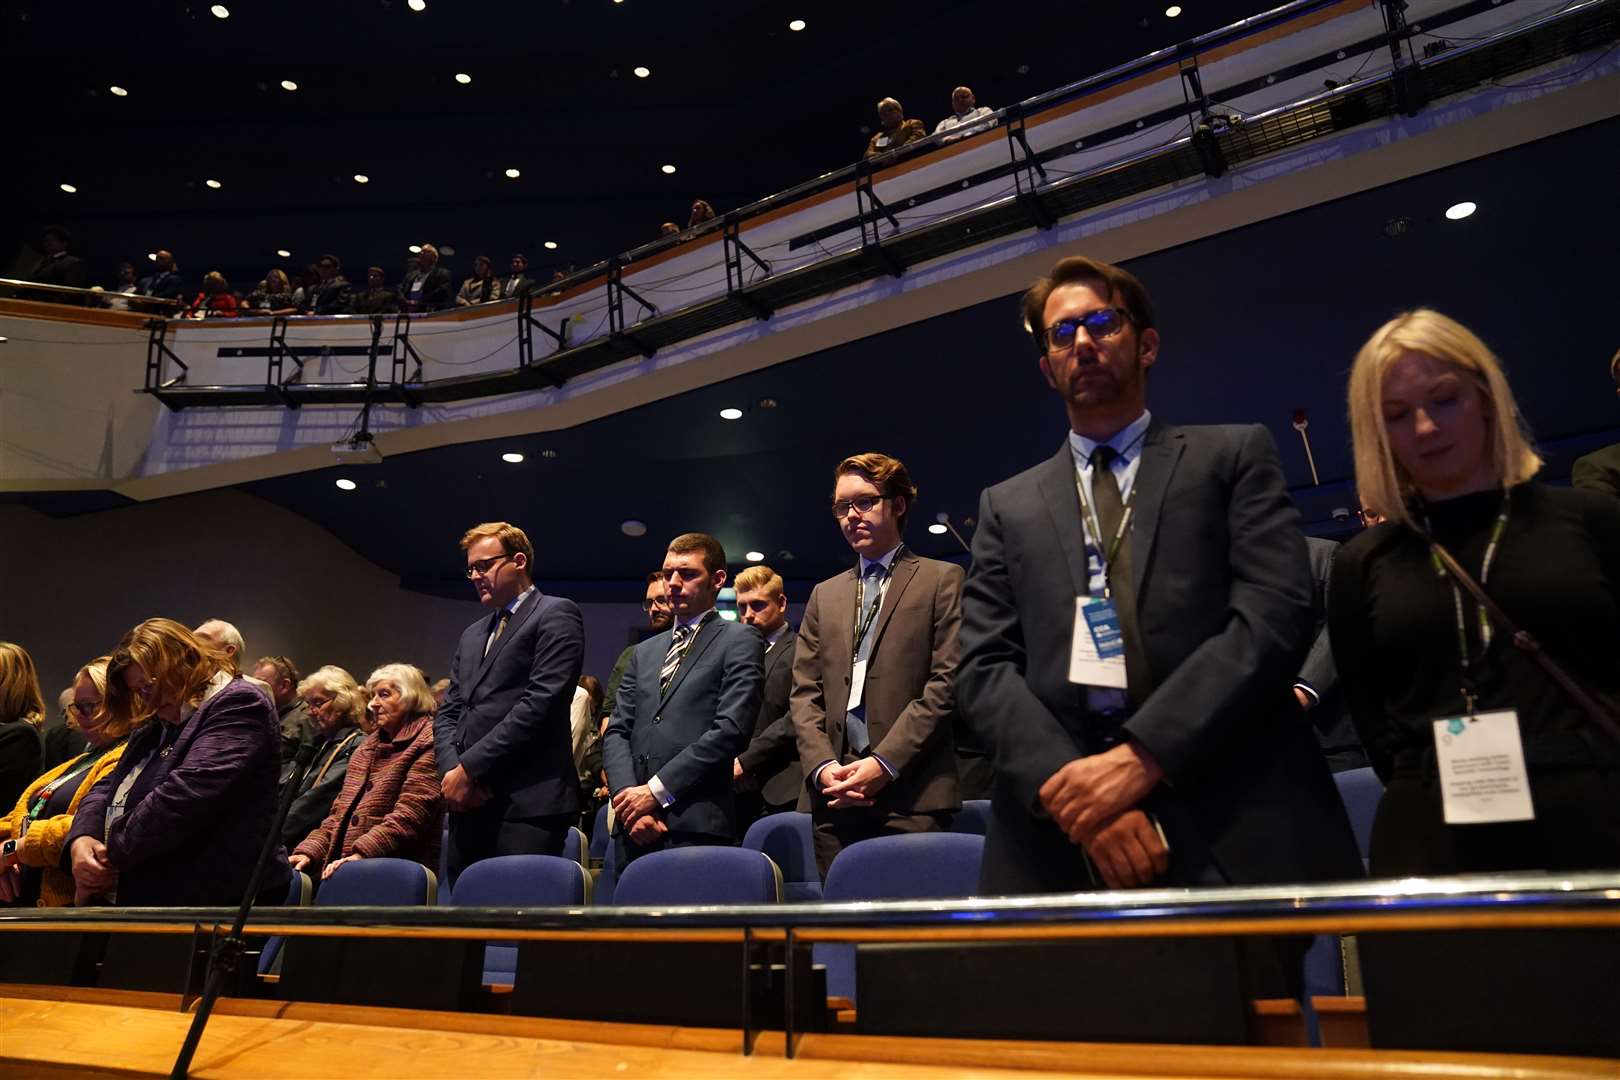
[337, 705]
[37, 829]
[181, 819]
[1441, 452]
[390, 803]
[22, 717]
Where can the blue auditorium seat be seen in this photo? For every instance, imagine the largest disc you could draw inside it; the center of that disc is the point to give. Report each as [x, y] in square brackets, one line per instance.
[786, 838]
[1361, 791]
[378, 883]
[299, 891]
[574, 847]
[444, 863]
[974, 817]
[599, 835]
[912, 866]
[699, 875]
[520, 881]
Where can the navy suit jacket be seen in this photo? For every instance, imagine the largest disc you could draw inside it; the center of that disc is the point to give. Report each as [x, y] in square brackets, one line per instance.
[689, 735]
[1224, 606]
[505, 716]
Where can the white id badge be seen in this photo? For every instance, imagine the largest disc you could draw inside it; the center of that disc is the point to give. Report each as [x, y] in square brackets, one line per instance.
[1089, 664]
[1482, 775]
[857, 684]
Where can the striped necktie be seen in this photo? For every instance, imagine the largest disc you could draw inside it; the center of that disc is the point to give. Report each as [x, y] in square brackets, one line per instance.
[678, 641]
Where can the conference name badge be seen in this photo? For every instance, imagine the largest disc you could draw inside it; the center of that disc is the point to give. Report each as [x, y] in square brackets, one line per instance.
[1097, 651]
[857, 685]
[1482, 774]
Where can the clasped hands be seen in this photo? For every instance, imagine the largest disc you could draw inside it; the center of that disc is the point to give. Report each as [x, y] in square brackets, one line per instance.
[636, 809]
[93, 875]
[461, 792]
[855, 784]
[1093, 801]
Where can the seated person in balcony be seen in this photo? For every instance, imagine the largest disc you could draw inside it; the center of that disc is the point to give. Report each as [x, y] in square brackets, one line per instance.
[215, 300]
[329, 296]
[967, 117]
[894, 129]
[338, 706]
[518, 282]
[482, 287]
[432, 289]
[668, 228]
[378, 298]
[390, 805]
[274, 296]
[701, 212]
[57, 267]
[127, 286]
[31, 872]
[164, 281]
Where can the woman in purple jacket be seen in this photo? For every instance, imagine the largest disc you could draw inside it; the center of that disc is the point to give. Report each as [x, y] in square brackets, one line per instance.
[181, 820]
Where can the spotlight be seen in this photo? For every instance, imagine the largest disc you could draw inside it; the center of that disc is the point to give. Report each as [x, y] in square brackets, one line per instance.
[1172, 11]
[643, 72]
[550, 245]
[937, 529]
[220, 11]
[117, 91]
[513, 174]
[345, 484]
[668, 170]
[463, 78]
[512, 457]
[755, 556]
[283, 253]
[416, 5]
[731, 414]
[215, 184]
[69, 188]
[1458, 211]
[796, 25]
[361, 178]
[288, 84]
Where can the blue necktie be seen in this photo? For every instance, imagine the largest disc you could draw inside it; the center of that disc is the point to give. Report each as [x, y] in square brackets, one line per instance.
[859, 739]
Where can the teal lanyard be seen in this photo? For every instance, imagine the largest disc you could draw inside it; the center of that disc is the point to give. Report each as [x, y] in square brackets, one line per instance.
[1470, 696]
[50, 789]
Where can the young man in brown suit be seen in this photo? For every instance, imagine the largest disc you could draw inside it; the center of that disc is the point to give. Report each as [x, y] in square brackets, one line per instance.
[872, 672]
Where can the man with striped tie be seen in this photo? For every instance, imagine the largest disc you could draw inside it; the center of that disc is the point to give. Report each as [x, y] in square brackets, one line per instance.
[685, 710]
[502, 737]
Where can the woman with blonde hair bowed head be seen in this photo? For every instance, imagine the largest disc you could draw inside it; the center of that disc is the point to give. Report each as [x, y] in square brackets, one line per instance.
[180, 821]
[390, 804]
[22, 717]
[30, 866]
[1432, 678]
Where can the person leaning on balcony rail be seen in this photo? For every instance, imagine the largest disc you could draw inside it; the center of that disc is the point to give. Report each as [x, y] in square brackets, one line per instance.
[967, 117]
[35, 834]
[894, 129]
[1433, 679]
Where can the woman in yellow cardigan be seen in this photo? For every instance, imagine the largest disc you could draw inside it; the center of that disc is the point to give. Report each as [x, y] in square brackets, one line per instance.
[32, 835]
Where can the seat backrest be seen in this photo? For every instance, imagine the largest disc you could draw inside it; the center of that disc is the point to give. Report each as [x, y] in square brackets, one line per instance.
[699, 875]
[523, 881]
[787, 839]
[574, 846]
[299, 892]
[911, 866]
[974, 817]
[599, 833]
[1361, 790]
[379, 883]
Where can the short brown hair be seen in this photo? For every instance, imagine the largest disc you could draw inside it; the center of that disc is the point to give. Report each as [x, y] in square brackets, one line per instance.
[887, 474]
[513, 539]
[714, 556]
[759, 578]
[1131, 294]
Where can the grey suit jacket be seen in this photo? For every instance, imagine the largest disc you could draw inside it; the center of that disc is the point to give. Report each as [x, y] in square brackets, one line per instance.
[773, 753]
[909, 675]
[689, 735]
[1223, 600]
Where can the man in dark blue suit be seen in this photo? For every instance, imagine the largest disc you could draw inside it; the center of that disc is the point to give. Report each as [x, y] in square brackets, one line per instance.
[686, 708]
[502, 737]
[1166, 746]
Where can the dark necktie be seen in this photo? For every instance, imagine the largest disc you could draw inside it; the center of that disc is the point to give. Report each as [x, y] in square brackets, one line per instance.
[1110, 508]
[679, 642]
[500, 628]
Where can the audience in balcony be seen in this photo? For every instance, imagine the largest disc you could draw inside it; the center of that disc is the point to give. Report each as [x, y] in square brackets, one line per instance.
[518, 282]
[57, 267]
[274, 296]
[431, 289]
[894, 130]
[378, 298]
[214, 301]
[22, 717]
[669, 228]
[40, 822]
[701, 212]
[483, 287]
[967, 117]
[330, 296]
[164, 282]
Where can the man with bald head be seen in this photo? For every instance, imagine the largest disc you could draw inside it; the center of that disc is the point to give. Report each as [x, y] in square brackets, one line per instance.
[164, 282]
[967, 117]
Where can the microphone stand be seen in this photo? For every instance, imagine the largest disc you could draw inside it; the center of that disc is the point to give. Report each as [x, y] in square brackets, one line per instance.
[227, 951]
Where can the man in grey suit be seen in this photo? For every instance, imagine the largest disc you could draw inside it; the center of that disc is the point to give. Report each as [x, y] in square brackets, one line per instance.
[767, 774]
[872, 700]
[685, 709]
[501, 739]
[1130, 670]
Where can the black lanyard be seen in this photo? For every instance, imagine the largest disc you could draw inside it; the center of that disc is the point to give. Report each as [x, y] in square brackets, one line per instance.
[864, 618]
[1470, 696]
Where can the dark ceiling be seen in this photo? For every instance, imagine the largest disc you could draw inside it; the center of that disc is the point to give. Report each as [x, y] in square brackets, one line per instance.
[741, 105]
[1255, 323]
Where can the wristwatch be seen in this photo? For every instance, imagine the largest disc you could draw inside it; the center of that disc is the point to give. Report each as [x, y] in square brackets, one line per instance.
[8, 851]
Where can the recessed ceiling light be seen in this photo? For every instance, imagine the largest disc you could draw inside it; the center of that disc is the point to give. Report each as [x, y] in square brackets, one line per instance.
[1458, 211]
[416, 5]
[220, 11]
[415, 249]
[513, 174]
[755, 556]
[731, 414]
[643, 72]
[345, 484]
[283, 253]
[118, 91]
[69, 188]
[796, 25]
[1172, 11]
[361, 178]
[632, 527]
[288, 84]
[550, 245]
[463, 78]
[937, 529]
[512, 457]
[669, 170]
[152, 255]
[215, 184]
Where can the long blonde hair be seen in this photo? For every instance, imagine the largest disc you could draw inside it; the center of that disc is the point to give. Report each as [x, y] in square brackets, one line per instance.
[178, 661]
[1380, 481]
[20, 696]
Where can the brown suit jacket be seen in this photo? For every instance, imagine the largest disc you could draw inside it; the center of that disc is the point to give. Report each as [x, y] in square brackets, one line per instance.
[909, 676]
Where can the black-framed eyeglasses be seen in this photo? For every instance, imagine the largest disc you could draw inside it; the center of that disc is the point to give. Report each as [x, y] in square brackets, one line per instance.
[482, 567]
[648, 605]
[864, 504]
[1060, 336]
